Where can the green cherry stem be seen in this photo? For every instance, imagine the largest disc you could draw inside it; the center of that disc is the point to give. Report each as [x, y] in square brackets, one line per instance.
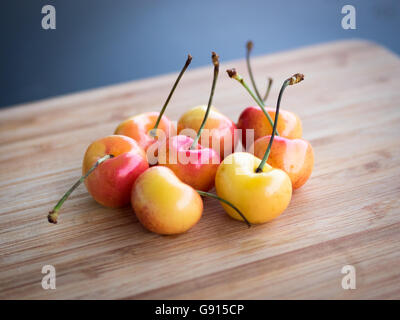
[215, 61]
[53, 214]
[288, 82]
[234, 75]
[211, 195]
[188, 61]
[270, 81]
[249, 47]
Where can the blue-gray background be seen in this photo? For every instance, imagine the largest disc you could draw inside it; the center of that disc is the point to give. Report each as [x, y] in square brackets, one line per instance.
[101, 42]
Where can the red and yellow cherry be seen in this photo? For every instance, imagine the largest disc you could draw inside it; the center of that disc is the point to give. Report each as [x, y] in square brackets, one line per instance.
[111, 183]
[295, 157]
[258, 190]
[260, 196]
[188, 159]
[163, 203]
[253, 117]
[144, 127]
[196, 167]
[139, 126]
[110, 167]
[221, 129]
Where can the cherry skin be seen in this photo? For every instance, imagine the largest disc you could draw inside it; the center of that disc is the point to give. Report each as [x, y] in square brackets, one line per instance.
[289, 125]
[138, 128]
[221, 129]
[111, 182]
[295, 157]
[195, 167]
[260, 196]
[163, 203]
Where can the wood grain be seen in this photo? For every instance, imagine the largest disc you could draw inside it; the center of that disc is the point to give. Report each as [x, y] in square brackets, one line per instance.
[348, 213]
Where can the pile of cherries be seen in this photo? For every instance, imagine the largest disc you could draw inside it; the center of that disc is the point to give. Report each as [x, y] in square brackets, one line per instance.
[163, 170]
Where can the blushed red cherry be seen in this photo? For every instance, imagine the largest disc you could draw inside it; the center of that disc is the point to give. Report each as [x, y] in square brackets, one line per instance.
[110, 167]
[294, 156]
[253, 117]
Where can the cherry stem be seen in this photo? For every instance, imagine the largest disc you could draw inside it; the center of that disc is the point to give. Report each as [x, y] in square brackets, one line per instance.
[234, 75]
[288, 82]
[215, 61]
[270, 81]
[249, 47]
[211, 195]
[53, 214]
[188, 61]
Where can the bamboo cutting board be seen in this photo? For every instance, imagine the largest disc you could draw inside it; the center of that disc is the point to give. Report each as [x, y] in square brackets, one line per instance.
[347, 214]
